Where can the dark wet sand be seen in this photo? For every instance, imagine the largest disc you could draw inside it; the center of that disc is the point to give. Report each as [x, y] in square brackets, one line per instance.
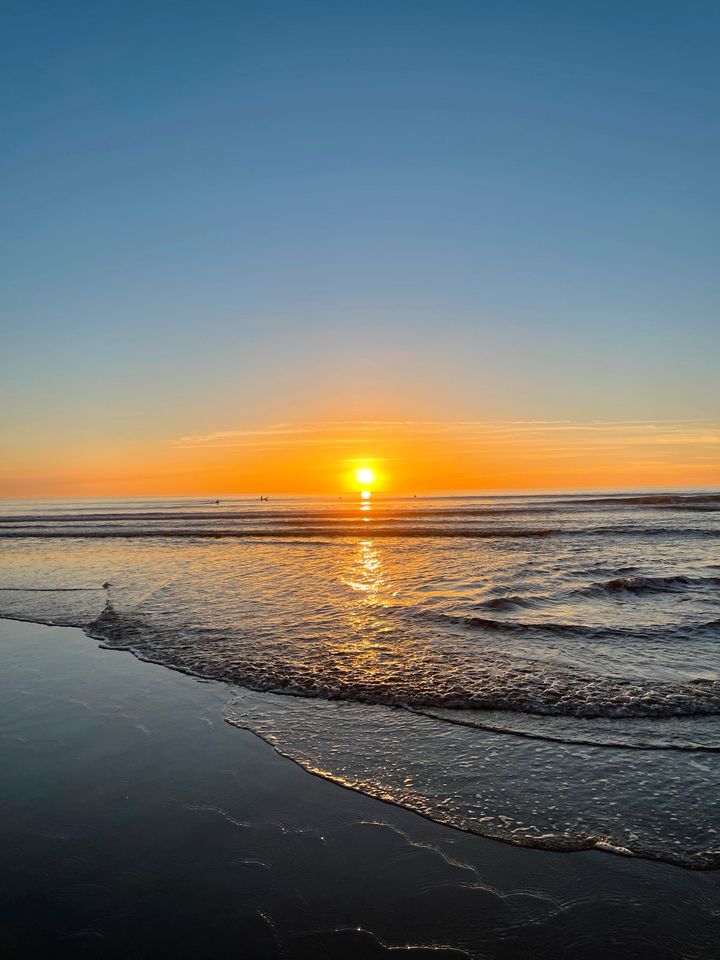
[135, 823]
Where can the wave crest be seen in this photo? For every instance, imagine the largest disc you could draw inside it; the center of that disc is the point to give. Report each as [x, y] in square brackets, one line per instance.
[494, 682]
[647, 585]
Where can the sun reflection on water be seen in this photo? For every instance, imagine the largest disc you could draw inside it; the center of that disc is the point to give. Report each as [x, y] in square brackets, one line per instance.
[366, 638]
[365, 575]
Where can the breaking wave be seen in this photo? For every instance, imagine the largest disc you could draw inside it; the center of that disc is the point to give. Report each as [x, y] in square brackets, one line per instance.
[495, 682]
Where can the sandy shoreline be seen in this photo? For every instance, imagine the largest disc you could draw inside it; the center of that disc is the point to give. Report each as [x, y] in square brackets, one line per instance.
[139, 824]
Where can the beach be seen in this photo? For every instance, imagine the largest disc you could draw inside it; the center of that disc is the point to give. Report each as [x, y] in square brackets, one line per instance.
[360, 481]
[136, 822]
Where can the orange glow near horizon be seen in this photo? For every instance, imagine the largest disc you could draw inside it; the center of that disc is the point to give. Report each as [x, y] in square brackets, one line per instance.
[392, 457]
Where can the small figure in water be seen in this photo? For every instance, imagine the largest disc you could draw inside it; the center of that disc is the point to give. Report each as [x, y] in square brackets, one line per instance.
[217, 501]
[106, 585]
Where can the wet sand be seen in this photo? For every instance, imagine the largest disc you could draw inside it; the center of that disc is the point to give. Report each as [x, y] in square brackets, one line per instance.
[136, 823]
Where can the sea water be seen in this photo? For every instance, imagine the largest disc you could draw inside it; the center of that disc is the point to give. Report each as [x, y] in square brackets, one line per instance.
[543, 670]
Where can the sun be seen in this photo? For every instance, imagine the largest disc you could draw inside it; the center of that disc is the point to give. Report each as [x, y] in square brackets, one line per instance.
[365, 476]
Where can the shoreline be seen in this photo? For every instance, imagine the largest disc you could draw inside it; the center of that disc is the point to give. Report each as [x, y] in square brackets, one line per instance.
[597, 844]
[214, 807]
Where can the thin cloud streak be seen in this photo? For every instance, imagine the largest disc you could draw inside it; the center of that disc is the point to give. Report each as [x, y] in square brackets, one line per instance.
[347, 434]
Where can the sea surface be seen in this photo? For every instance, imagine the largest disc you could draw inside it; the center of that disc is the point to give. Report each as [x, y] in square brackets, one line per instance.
[542, 670]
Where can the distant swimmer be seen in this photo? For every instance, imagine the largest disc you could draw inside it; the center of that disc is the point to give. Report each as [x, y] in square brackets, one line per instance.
[217, 501]
[264, 499]
[106, 585]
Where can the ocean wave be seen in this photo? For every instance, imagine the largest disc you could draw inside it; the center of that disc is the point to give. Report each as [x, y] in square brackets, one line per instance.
[115, 533]
[388, 512]
[649, 585]
[655, 500]
[496, 682]
[635, 530]
[508, 604]
[576, 630]
[369, 530]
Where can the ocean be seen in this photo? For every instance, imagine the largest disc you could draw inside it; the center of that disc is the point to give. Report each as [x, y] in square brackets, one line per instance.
[543, 670]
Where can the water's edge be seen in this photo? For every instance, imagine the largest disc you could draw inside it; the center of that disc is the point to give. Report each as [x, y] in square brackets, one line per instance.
[598, 844]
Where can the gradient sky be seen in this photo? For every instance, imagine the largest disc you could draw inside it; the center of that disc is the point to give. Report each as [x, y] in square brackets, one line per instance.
[385, 231]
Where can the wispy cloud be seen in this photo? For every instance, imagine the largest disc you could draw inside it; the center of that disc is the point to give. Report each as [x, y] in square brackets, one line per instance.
[322, 429]
[389, 439]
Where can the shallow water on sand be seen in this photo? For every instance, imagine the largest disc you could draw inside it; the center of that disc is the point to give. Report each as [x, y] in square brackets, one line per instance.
[136, 823]
[543, 670]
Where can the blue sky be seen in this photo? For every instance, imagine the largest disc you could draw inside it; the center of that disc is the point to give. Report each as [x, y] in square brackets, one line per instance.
[218, 215]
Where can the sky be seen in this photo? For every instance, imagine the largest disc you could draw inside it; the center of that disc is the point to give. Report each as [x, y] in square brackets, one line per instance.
[247, 246]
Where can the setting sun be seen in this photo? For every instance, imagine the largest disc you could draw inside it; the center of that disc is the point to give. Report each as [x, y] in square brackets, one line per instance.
[365, 475]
